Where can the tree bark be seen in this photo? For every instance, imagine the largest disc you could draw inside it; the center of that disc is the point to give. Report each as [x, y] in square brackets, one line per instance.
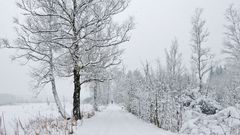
[95, 105]
[76, 95]
[76, 71]
[61, 110]
[156, 119]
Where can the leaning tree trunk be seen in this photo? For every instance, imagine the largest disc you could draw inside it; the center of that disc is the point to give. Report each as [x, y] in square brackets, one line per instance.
[61, 110]
[76, 95]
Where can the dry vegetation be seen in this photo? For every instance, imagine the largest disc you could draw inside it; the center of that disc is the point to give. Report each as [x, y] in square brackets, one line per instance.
[42, 125]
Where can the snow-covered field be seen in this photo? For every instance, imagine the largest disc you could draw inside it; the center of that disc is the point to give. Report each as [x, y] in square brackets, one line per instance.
[29, 111]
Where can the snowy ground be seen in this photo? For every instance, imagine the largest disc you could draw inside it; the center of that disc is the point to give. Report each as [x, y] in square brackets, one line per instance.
[115, 121]
[111, 121]
[225, 122]
[29, 111]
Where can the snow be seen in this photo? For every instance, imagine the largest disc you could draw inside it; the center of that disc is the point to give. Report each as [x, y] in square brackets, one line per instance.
[28, 111]
[112, 120]
[225, 122]
[205, 105]
[116, 121]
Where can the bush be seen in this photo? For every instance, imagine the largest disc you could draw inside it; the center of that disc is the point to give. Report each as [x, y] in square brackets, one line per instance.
[206, 106]
[47, 126]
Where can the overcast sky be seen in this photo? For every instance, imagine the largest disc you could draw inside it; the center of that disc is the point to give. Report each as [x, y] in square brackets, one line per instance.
[158, 22]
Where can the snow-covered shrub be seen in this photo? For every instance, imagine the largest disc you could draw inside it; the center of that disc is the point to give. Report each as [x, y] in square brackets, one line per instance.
[188, 96]
[88, 114]
[47, 126]
[225, 122]
[205, 106]
[192, 99]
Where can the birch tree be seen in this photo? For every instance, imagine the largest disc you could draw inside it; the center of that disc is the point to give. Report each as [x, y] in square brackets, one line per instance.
[174, 80]
[232, 34]
[174, 62]
[33, 45]
[232, 48]
[200, 54]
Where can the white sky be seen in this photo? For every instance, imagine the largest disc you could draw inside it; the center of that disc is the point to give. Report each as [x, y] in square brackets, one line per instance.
[158, 22]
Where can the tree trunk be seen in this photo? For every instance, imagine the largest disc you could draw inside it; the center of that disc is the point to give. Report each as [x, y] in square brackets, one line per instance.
[179, 118]
[156, 120]
[61, 110]
[76, 71]
[108, 93]
[95, 106]
[76, 95]
[200, 85]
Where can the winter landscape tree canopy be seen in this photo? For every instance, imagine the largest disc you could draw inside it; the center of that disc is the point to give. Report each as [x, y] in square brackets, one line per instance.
[122, 67]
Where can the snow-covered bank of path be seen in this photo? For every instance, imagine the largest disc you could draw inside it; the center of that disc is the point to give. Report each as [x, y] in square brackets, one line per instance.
[115, 121]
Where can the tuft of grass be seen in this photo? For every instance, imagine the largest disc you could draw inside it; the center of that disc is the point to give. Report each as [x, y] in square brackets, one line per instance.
[2, 125]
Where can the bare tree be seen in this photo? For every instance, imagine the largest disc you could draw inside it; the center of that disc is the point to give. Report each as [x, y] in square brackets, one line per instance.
[232, 48]
[200, 54]
[175, 72]
[232, 34]
[84, 27]
[102, 77]
[153, 94]
[174, 61]
[100, 33]
[33, 46]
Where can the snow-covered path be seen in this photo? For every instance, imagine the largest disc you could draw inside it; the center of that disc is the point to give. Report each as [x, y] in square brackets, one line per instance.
[115, 121]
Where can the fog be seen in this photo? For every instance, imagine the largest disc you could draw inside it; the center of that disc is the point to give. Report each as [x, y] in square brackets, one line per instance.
[158, 22]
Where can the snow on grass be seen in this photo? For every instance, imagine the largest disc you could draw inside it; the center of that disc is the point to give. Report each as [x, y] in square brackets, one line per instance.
[33, 112]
